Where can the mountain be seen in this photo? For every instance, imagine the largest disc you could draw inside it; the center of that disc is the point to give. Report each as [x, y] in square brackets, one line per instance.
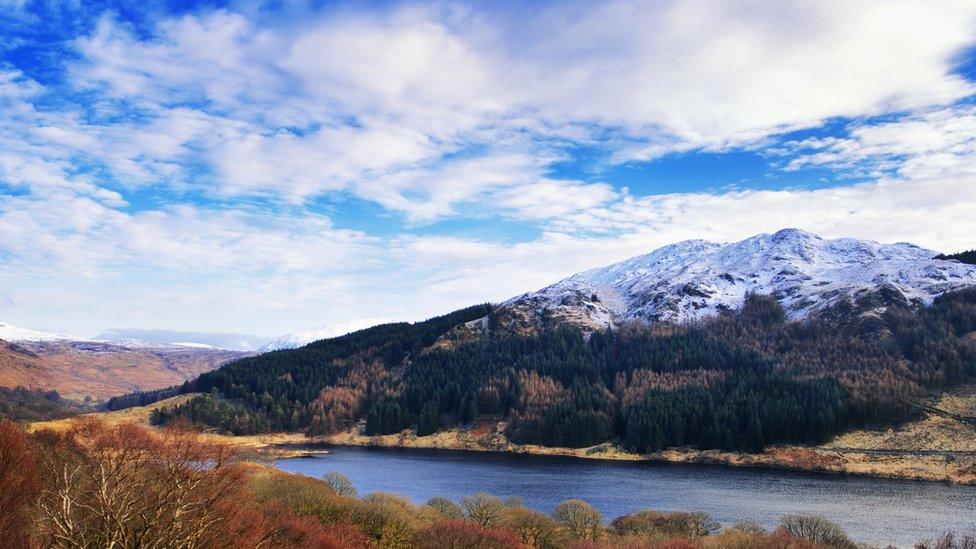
[79, 368]
[100, 370]
[234, 342]
[729, 346]
[300, 339]
[9, 332]
[696, 279]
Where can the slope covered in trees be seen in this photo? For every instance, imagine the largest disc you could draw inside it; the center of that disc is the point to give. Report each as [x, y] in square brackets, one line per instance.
[23, 404]
[963, 257]
[738, 381]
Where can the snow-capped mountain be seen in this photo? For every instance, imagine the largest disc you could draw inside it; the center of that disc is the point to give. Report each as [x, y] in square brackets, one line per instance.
[9, 332]
[16, 334]
[300, 339]
[695, 279]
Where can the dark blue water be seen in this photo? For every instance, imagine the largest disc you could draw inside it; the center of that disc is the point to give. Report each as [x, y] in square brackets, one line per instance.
[876, 511]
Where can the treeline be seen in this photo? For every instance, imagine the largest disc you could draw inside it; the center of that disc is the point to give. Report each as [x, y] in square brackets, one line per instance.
[23, 404]
[963, 257]
[738, 381]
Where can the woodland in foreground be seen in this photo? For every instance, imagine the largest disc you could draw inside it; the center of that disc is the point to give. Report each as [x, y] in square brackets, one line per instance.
[96, 486]
[739, 381]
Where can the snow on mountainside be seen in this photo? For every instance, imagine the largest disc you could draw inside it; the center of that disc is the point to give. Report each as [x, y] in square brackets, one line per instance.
[300, 339]
[9, 332]
[695, 279]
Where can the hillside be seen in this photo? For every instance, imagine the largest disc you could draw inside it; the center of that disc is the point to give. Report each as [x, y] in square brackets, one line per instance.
[804, 339]
[95, 370]
[697, 279]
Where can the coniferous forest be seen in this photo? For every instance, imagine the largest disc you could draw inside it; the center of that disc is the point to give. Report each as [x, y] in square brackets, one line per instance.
[968, 256]
[739, 381]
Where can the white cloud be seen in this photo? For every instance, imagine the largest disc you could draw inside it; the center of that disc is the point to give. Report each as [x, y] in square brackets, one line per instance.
[550, 198]
[932, 144]
[457, 270]
[234, 126]
[387, 94]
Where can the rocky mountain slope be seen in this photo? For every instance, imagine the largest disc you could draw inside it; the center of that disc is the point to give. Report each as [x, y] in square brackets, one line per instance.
[696, 279]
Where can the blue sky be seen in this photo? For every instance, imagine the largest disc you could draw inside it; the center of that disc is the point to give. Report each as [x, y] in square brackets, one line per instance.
[269, 167]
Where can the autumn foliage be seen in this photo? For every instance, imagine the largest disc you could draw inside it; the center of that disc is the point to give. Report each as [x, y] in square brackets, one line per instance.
[95, 486]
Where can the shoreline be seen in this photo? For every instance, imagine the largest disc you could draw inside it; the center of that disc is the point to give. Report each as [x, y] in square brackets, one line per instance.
[911, 465]
[863, 453]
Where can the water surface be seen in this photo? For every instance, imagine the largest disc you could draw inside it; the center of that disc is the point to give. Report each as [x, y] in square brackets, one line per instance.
[877, 511]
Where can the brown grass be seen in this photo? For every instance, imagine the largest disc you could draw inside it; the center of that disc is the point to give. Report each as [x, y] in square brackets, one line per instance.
[267, 445]
[112, 371]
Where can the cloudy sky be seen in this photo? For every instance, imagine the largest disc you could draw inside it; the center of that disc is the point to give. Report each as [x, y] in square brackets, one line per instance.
[267, 168]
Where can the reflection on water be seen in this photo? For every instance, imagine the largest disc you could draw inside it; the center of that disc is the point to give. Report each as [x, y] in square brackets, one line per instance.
[877, 511]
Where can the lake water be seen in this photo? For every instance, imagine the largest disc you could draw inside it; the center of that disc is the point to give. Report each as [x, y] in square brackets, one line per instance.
[877, 511]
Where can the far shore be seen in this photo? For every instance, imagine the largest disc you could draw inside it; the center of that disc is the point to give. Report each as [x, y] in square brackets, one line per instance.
[952, 467]
[942, 451]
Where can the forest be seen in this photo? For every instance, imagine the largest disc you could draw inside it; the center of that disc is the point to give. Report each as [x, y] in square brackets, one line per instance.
[24, 404]
[739, 381]
[94, 485]
[968, 256]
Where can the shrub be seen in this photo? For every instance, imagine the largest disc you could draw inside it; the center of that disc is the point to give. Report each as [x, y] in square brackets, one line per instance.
[340, 484]
[816, 530]
[304, 496]
[447, 508]
[483, 508]
[386, 518]
[782, 540]
[678, 543]
[748, 527]
[462, 534]
[534, 529]
[579, 519]
[644, 523]
[949, 541]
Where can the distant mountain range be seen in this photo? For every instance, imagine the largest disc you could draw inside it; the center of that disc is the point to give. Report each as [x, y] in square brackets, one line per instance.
[80, 368]
[220, 340]
[131, 360]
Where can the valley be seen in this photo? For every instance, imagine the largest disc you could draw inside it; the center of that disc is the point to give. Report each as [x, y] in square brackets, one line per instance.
[882, 330]
[95, 371]
[868, 376]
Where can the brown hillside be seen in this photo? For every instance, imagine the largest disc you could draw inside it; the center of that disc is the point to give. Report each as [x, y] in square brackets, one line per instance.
[100, 370]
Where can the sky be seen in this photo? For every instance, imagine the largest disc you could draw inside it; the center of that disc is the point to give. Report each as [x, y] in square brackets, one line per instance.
[268, 167]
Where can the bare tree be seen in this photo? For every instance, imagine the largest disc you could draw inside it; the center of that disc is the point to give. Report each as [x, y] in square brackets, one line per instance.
[127, 487]
[579, 519]
[19, 484]
[483, 508]
[340, 484]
